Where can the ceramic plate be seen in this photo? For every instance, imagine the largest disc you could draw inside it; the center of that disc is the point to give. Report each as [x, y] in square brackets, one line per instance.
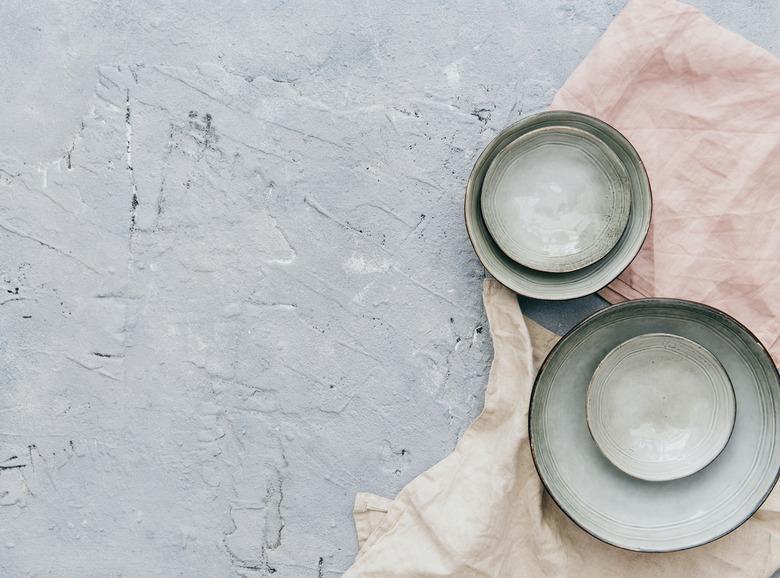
[660, 407]
[556, 199]
[655, 516]
[541, 284]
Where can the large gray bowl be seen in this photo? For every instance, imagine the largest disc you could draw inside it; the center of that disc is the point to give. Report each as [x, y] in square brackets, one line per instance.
[567, 285]
[643, 515]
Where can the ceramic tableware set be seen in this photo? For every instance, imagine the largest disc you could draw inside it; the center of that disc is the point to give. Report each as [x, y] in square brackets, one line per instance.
[653, 423]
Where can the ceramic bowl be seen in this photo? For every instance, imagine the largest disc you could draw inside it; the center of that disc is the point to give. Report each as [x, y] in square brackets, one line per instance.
[556, 199]
[564, 285]
[658, 516]
[660, 407]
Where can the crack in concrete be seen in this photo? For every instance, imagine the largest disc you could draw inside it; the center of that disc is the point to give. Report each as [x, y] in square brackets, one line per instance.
[129, 163]
[12, 230]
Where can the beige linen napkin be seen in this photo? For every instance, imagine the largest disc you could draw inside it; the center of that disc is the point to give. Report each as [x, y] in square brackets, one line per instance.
[482, 511]
[702, 106]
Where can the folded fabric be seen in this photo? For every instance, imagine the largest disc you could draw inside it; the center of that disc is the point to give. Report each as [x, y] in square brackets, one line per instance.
[702, 107]
[482, 510]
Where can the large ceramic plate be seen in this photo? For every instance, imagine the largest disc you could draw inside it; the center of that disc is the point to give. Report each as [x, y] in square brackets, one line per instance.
[655, 516]
[541, 284]
[556, 199]
[660, 407]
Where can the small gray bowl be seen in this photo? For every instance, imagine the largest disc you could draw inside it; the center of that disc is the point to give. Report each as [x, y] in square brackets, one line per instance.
[571, 284]
[660, 407]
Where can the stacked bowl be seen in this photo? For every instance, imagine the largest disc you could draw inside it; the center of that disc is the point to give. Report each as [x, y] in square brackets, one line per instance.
[654, 423]
[558, 205]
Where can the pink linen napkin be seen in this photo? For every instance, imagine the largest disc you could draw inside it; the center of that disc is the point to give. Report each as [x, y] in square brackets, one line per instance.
[702, 106]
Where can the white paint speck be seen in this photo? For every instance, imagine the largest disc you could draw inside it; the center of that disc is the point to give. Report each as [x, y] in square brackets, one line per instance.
[362, 266]
[453, 74]
[361, 295]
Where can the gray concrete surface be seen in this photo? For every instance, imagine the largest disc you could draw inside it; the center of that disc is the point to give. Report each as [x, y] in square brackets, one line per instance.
[235, 286]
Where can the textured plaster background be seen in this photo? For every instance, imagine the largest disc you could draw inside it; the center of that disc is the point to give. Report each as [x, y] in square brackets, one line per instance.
[235, 286]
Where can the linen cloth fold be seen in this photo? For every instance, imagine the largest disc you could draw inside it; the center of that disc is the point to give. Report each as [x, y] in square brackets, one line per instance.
[482, 510]
[702, 107]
